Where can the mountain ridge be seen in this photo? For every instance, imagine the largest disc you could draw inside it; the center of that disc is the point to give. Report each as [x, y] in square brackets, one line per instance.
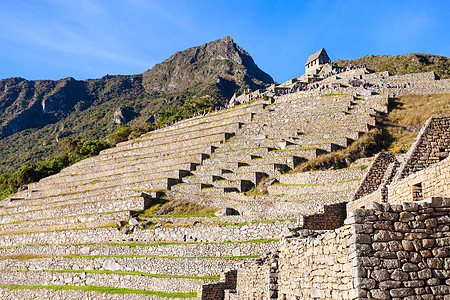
[45, 111]
[403, 64]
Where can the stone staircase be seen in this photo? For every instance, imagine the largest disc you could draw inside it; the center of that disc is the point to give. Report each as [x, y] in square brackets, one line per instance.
[60, 233]
[287, 132]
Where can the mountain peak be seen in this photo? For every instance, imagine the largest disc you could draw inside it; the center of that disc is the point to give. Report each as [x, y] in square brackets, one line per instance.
[203, 65]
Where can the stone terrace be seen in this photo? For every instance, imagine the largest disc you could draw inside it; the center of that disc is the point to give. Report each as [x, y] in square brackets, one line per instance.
[60, 232]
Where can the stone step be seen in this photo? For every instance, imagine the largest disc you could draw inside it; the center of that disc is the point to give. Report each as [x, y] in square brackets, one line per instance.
[234, 149]
[21, 206]
[327, 129]
[224, 165]
[254, 177]
[209, 179]
[194, 188]
[136, 282]
[153, 166]
[226, 158]
[301, 124]
[335, 196]
[33, 203]
[183, 135]
[211, 172]
[73, 209]
[322, 176]
[273, 170]
[209, 139]
[165, 265]
[238, 114]
[295, 189]
[49, 292]
[240, 185]
[173, 234]
[147, 181]
[268, 206]
[161, 183]
[43, 225]
[193, 151]
[282, 158]
[193, 249]
[329, 144]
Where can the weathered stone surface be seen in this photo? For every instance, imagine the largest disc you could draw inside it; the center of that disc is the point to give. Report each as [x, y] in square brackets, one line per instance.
[227, 211]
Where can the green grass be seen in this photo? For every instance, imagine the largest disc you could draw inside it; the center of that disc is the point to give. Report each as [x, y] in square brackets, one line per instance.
[188, 243]
[368, 144]
[165, 243]
[30, 256]
[179, 208]
[210, 277]
[407, 114]
[101, 289]
[403, 64]
[168, 257]
[63, 229]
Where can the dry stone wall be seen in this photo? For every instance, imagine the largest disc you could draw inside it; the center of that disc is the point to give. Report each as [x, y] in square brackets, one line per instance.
[431, 146]
[402, 251]
[197, 233]
[374, 177]
[431, 182]
[398, 251]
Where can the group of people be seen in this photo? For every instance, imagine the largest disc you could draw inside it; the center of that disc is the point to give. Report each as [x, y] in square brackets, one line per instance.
[342, 70]
[398, 85]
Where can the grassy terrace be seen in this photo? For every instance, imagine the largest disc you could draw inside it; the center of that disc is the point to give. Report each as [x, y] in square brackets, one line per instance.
[407, 114]
[61, 201]
[32, 256]
[217, 113]
[118, 272]
[101, 289]
[316, 184]
[162, 243]
[113, 226]
[69, 216]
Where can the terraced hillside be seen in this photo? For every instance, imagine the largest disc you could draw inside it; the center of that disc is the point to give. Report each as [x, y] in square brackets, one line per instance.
[63, 227]
[60, 237]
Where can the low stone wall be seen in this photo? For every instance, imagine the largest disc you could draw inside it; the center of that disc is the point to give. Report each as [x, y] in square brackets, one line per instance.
[365, 200]
[333, 216]
[20, 294]
[170, 285]
[401, 251]
[432, 181]
[152, 265]
[414, 77]
[373, 178]
[313, 177]
[432, 145]
[198, 233]
[178, 250]
[215, 291]
[316, 267]
[383, 252]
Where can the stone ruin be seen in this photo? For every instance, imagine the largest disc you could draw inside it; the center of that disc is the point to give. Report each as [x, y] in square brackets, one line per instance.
[332, 234]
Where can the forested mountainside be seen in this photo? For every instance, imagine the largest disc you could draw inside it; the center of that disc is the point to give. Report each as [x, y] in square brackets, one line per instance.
[403, 64]
[35, 115]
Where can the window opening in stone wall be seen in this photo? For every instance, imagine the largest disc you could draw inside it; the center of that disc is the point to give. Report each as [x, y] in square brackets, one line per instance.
[417, 192]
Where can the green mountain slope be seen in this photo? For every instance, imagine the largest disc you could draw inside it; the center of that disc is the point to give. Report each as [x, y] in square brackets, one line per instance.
[403, 64]
[35, 115]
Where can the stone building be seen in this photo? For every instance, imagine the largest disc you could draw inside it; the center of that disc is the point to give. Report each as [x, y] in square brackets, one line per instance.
[316, 61]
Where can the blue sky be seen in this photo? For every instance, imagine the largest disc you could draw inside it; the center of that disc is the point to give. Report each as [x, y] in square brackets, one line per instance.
[53, 39]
